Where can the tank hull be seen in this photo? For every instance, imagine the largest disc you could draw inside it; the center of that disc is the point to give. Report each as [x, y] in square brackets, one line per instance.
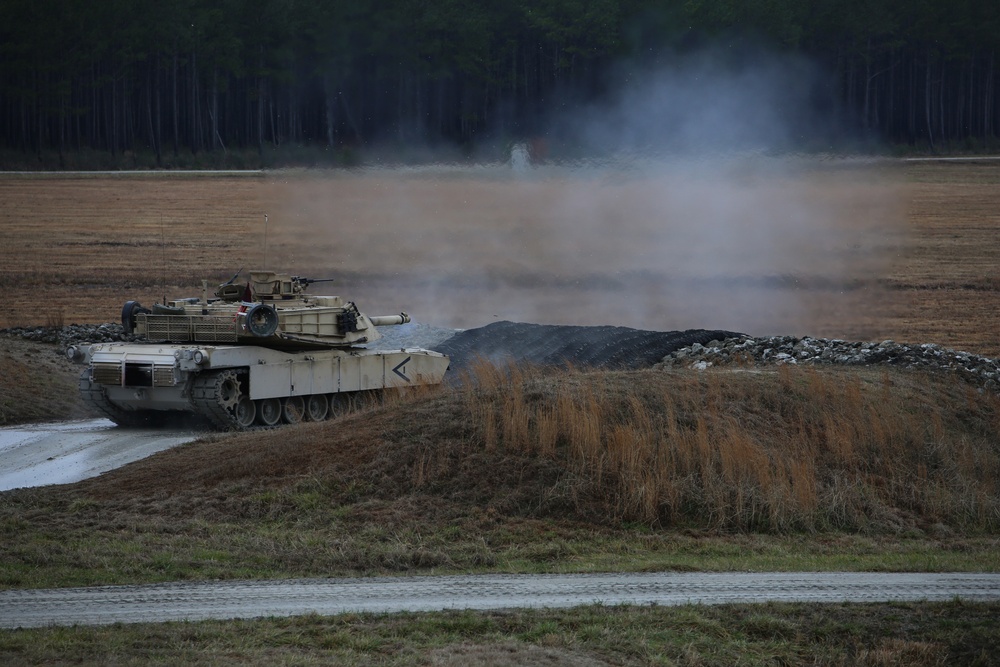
[242, 386]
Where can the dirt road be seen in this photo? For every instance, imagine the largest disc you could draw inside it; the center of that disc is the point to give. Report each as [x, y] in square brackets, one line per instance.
[64, 452]
[251, 599]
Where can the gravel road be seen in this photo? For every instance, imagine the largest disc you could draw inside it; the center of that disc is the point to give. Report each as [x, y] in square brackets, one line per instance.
[252, 599]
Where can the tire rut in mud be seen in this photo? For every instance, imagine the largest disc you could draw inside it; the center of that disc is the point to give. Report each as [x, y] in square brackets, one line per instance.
[607, 347]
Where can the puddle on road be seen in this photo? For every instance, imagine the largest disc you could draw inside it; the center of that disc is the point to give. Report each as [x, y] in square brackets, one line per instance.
[65, 452]
[13, 436]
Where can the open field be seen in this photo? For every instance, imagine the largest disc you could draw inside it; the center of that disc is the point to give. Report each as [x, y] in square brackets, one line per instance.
[864, 251]
[735, 469]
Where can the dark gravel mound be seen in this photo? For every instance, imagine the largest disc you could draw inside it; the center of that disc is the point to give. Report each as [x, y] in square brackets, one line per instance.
[581, 346]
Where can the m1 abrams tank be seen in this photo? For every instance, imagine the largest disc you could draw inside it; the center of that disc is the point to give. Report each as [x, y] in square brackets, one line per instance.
[254, 355]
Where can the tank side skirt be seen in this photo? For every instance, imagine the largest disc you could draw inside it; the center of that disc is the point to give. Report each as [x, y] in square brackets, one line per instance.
[344, 372]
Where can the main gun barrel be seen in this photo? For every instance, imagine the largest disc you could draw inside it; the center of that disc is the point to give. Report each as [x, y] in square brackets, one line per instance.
[389, 320]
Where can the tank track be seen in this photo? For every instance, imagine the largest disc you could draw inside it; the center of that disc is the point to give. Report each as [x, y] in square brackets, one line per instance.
[96, 398]
[213, 398]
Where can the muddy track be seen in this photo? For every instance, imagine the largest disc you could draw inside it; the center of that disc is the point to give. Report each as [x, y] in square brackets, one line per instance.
[251, 599]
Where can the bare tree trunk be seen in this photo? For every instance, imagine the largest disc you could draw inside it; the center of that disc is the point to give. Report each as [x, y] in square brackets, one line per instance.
[911, 115]
[195, 129]
[988, 102]
[129, 131]
[260, 114]
[330, 111]
[214, 106]
[274, 132]
[868, 83]
[157, 135]
[24, 125]
[114, 115]
[260, 99]
[350, 117]
[149, 117]
[851, 104]
[927, 100]
[400, 91]
[61, 119]
[176, 108]
[94, 106]
[943, 133]
[891, 110]
[38, 115]
[971, 127]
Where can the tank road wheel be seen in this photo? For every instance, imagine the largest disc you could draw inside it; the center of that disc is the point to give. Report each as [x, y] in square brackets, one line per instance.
[268, 411]
[244, 412]
[342, 404]
[317, 408]
[293, 409]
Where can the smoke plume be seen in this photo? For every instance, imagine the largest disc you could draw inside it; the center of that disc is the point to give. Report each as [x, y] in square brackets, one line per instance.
[685, 199]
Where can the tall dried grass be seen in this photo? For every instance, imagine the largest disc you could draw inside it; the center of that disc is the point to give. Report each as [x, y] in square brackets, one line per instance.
[797, 449]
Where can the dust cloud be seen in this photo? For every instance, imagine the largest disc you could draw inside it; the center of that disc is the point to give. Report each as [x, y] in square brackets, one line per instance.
[686, 202]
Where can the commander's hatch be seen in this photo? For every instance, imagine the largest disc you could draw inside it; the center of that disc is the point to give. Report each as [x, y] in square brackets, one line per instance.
[270, 286]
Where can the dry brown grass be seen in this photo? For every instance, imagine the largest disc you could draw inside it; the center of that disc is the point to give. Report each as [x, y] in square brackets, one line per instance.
[76, 248]
[795, 449]
[38, 383]
[863, 252]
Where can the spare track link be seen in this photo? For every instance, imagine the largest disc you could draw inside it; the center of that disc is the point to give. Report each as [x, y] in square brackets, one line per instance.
[210, 401]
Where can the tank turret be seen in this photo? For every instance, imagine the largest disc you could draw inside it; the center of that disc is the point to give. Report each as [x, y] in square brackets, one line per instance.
[271, 309]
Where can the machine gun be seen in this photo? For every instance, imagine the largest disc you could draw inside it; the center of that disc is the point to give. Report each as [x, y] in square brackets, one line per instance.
[305, 282]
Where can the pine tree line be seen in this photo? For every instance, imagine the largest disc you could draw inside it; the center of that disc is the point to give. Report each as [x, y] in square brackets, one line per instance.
[193, 75]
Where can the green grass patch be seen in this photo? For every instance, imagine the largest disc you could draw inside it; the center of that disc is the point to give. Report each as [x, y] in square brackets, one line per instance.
[97, 545]
[910, 634]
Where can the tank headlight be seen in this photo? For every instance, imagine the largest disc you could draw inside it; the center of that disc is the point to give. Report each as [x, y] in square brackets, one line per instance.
[72, 352]
[199, 357]
[177, 355]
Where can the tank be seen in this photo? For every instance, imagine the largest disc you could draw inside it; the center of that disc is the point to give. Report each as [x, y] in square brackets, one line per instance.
[252, 355]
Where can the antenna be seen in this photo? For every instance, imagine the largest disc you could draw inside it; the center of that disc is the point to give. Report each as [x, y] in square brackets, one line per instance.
[163, 260]
[265, 242]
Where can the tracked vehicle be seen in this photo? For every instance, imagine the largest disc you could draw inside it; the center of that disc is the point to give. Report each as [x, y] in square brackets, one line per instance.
[256, 355]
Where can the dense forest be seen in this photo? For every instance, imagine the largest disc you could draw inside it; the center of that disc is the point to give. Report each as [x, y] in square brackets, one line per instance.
[166, 77]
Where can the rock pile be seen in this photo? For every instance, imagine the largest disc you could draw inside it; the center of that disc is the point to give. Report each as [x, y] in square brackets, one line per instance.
[791, 350]
[72, 334]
